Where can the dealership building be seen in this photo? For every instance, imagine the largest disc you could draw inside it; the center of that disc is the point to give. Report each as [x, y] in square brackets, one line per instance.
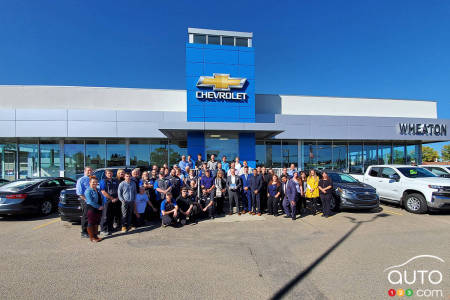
[57, 130]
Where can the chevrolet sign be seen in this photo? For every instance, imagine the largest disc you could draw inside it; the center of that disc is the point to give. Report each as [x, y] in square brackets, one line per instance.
[222, 85]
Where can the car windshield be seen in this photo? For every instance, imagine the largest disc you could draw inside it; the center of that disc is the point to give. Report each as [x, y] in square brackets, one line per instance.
[413, 172]
[342, 178]
[17, 185]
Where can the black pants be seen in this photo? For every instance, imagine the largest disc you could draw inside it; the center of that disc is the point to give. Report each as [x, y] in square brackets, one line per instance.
[272, 205]
[256, 202]
[220, 201]
[84, 212]
[195, 211]
[314, 204]
[326, 204]
[168, 219]
[233, 196]
[263, 196]
[107, 217]
[138, 222]
[302, 202]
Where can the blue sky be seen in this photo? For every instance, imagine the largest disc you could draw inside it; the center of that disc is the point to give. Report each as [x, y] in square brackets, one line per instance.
[375, 49]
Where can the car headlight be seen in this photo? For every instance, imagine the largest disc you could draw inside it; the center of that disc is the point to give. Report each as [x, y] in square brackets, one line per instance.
[345, 192]
[435, 187]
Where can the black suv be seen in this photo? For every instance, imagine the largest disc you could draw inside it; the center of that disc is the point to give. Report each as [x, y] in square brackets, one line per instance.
[69, 204]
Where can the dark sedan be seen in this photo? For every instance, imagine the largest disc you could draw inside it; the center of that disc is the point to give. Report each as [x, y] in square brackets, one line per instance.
[351, 193]
[34, 195]
[69, 205]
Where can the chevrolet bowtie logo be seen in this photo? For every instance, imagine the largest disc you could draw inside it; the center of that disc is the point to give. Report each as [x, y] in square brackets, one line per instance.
[221, 82]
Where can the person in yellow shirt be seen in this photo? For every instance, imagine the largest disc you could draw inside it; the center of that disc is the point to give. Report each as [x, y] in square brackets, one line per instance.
[312, 190]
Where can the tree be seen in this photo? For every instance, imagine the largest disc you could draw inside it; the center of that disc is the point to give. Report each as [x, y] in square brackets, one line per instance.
[446, 152]
[429, 154]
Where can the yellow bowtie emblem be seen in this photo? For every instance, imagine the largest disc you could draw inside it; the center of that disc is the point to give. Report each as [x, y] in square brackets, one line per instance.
[221, 82]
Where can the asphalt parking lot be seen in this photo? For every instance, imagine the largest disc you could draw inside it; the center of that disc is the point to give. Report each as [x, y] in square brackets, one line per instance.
[342, 257]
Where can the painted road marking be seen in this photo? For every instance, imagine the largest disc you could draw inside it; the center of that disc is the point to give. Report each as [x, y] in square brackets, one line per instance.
[393, 212]
[48, 223]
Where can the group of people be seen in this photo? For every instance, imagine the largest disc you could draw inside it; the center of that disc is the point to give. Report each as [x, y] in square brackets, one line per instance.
[192, 190]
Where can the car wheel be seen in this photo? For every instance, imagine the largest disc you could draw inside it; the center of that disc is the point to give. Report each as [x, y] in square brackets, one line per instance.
[46, 207]
[415, 203]
[334, 204]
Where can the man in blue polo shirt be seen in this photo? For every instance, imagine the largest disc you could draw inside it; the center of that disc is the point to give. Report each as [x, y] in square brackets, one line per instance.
[207, 183]
[190, 162]
[111, 204]
[183, 163]
[225, 165]
[169, 211]
[82, 186]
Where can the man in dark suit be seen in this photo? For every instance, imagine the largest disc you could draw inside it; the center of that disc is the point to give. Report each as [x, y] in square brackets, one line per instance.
[290, 205]
[284, 201]
[234, 185]
[255, 184]
[246, 193]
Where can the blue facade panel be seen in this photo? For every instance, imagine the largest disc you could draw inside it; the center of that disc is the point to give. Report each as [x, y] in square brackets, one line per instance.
[247, 148]
[196, 143]
[207, 60]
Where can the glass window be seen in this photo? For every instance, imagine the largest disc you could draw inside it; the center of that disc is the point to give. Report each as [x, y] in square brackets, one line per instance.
[242, 42]
[221, 144]
[51, 183]
[340, 157]
[374, 172]
[412, 172]
[355, 158]
[437, 171]
[158, 152]
[95, 154]
[139, 153]
[273, 154]
[116, 152]
[290, 153]
[387, 172]
[8, 153]
[399, 154]
[412, 154]
[260, 153]
[214, 39]
[28, 160]
[49, 158]
[370, 154]
[228, 40]
[384, 154]
[324, 159]
[199, 39]
[309, 155]
[74, 159]
[176, 150]
[68, 182]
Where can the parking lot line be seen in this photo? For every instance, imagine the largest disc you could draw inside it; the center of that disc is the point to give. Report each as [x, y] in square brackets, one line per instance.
[393, 212]
[45, 224]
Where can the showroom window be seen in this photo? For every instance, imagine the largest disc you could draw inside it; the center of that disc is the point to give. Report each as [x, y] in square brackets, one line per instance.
[199, 39]
[324, 155]
[355, 154]
[159, 154]
[399, 154]
[290, 153]
[116, 152]
[260, 153]
[221, 144]
[176, 150]
[340, 156]
[49, 157]
[8, 154]
[228, 40]
[412, 154]
[309, 155]
[28, 159]
[273, 154]
[139, 152]
[213, 40]
[74, 158]
[370, 154]
[95, 153]
[241, 42]
[384, 153]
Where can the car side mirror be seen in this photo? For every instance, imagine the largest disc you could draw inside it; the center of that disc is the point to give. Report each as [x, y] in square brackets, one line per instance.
[395, 177]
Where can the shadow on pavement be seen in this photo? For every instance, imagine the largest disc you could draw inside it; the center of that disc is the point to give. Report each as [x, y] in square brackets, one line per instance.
[27, 217]
[302, 275]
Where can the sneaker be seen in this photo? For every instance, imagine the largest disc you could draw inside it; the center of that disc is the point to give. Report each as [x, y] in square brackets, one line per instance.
[124, 229]
[133, 228]
[84, 235]
[109, 233]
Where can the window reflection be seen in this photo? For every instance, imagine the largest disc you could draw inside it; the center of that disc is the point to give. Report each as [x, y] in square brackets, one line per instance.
[340, 156]
[159, 153]
[273, 154]
[49, 157]
[399, 154]
[176, 150]
[139, 153]
[95, 154]
[290, 153]
[370, 154]
[73, 158]
[8, 153]
[28, 160]
[116, 153]
[384, 154]
[324, 157]
[221, 144]
[309, 155]
[355, 158]
[260, 153]
[412, 154]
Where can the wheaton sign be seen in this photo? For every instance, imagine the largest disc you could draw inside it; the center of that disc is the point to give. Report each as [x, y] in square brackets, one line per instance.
[423, 129]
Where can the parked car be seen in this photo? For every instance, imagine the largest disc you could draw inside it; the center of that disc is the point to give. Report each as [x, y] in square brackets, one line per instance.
[69, 204]
[439, 170]
[415, 188]
[351, 193]
[3, 181]
[34, 195]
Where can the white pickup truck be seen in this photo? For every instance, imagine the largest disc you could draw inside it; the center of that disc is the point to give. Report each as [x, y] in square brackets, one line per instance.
[415, 188]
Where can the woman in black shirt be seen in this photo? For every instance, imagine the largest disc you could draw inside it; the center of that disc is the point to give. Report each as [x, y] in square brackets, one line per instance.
[325, 190]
